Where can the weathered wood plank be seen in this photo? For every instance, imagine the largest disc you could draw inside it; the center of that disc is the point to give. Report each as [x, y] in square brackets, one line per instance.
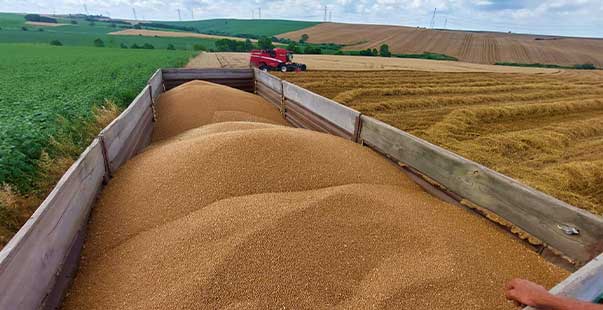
[269, 80]
[156, 83]
[533, 211]
[330, 110]
[269, 94]
[118, 135]
[31, 261]
[203, 74]
[313, 121]
[245, 84]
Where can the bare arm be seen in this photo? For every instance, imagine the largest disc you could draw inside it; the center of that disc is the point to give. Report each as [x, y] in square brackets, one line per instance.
[532, 294]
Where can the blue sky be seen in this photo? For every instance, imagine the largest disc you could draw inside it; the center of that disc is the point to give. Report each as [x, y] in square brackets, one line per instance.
[557, 17]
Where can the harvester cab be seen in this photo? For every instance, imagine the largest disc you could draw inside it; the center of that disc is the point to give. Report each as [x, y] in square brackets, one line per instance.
[275, 59]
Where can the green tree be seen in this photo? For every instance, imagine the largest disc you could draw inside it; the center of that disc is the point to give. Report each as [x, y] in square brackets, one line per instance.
[134, 46]
[99, 43]
[148, 46]
[56, 43]
[248, 45]
[171, 47]
[384, 51]
[375, 52]
[123, 45]
[304, 38]
[265, 43]
[293, 47]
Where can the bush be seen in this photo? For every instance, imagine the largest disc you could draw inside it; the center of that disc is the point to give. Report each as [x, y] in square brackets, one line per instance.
[199, 47]
[339, 53]
[585, 67]
[56, 43]
[24, 28]
[312, 50]
[375, 52]
[91, 24]
[99, 43]
[148, 46]
[293, 47]
[123, 45]
[367, 52]
[41, 29]
[171, 47]
[74, 22]
[134, 46]
[137, 26]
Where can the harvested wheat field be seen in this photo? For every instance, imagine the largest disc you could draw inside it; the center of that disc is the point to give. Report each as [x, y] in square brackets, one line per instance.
[361, 63]
[173, 34]
[256, 215]
[544, 130]
[476, 47]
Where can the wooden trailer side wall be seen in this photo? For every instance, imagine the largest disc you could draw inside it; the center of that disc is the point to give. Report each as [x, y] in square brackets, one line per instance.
[31, 261]
[237, 78]
[36, 266]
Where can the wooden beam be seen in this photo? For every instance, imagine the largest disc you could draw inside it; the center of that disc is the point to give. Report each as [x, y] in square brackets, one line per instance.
[269, 80]
[535, 212]
[156, 83]
[31, 261]
[204, 74]
[118, 135]
[338, 114]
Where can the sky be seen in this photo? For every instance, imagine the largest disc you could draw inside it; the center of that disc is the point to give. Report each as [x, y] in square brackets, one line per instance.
[557, 17]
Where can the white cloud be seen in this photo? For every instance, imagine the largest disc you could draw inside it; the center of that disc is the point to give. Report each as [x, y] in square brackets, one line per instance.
[567, 17]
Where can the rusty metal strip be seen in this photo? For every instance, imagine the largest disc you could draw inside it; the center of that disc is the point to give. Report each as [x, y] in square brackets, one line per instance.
[108, 174]
[152, 103]
[358, 128]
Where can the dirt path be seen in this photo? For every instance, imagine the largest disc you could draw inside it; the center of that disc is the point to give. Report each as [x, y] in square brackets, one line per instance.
[361, 63]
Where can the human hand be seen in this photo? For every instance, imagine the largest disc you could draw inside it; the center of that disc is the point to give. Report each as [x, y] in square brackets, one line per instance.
[527, 293]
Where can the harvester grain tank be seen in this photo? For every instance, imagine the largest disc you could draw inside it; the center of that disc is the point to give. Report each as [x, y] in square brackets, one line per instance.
[275, 59]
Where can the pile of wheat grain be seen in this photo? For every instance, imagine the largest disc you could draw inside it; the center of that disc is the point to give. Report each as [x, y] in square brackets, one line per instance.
[245, 215]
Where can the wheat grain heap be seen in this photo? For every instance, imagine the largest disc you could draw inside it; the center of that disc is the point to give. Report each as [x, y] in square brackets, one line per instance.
[255, 215]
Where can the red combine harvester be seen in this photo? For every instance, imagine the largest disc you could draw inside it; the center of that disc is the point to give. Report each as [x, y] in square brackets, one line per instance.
[275, 59]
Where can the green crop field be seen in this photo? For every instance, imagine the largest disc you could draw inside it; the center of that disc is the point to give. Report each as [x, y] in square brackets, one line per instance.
[83, 34]
[263, 27]
[48, 94]
[47, 83]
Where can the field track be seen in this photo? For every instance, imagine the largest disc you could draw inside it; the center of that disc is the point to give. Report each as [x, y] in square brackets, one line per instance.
[544, 130]
[474, 47]
[174, 34]
[360, 63]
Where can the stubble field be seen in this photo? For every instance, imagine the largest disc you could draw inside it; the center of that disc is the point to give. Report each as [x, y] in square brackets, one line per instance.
[545, 130]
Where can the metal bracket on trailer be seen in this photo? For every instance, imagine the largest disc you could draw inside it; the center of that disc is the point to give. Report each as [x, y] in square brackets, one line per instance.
[152, 103]
[108, 173]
